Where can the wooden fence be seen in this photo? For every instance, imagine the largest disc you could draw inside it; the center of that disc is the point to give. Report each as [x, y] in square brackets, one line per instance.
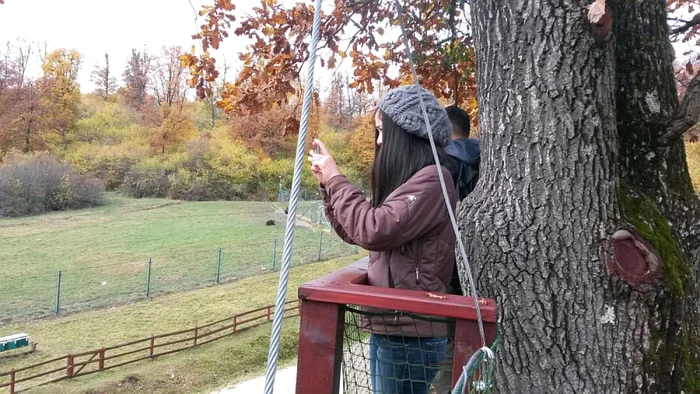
[85, 363]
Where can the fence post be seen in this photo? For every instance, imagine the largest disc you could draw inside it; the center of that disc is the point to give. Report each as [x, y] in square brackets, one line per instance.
[102, 359]
[268, 313]
[274, 255]
[218, 267]
[235, 323]
[12, 381]
[320, 245]
[196, 331]
[279, 190]
[148, 280]
[58, 293]
[153, 340]
[69, 367]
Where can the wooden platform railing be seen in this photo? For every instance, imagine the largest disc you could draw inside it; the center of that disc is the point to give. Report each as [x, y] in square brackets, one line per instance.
[323, 303]
[98, 360]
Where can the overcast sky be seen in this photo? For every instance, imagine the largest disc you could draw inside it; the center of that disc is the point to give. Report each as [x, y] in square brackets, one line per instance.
[94, 27]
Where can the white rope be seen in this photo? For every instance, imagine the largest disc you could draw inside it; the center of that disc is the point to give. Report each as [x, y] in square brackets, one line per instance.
[292, 211]
[442, 180]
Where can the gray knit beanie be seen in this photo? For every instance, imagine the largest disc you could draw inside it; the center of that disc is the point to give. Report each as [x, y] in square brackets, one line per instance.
[402, 105]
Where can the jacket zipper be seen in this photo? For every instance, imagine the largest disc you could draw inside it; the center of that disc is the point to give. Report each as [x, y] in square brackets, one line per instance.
[417, 265]
[396, 318]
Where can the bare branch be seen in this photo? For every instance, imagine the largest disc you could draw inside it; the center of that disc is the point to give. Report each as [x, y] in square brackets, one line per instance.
[686, 26]
[196, 18]
[351, 4]
[687, 114]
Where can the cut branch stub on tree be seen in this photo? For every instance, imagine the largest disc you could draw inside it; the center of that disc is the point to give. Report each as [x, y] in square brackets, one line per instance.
[634, 260]
[596, 10]
[600, 16]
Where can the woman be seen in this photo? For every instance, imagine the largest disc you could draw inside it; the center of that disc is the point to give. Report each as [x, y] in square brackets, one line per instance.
[406, 228]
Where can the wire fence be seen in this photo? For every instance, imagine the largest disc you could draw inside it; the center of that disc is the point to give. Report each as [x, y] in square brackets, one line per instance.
[310, 206]
[37, 294]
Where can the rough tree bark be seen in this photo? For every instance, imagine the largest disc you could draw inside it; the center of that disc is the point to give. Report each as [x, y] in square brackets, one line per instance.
[576, 126]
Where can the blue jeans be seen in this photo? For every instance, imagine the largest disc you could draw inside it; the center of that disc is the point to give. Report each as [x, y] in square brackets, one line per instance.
[404, 365]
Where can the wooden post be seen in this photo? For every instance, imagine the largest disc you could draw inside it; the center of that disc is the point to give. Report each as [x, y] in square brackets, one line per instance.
[218, 267]
[58, 293]
[467, 342]
[274, 254]
[69, 367]
[101, 364]
[148, 279]
[12, 381]
[153, 340]
[268, 313]
[320, 347]
[196, 331]
[320, 245]
[235, 323]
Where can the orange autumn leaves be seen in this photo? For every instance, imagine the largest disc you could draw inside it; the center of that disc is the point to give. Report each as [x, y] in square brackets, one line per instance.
[351, 30]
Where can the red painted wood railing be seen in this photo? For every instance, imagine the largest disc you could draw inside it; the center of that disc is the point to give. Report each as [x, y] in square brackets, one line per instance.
[323, 304]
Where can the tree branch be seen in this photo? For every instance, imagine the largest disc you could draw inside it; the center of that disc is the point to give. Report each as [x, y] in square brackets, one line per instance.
[351, 4]
[686, 26]
[687, 113]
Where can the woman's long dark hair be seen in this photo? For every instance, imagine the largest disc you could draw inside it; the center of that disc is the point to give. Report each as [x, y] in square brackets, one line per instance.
[400, 156]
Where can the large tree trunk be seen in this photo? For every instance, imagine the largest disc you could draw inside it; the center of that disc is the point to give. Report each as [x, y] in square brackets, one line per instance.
[566, 144]
[655, 177]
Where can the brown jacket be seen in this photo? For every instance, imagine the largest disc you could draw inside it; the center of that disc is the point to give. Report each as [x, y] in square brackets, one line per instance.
[410, 239]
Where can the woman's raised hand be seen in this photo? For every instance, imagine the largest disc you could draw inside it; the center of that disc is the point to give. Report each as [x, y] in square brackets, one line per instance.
[322, 164]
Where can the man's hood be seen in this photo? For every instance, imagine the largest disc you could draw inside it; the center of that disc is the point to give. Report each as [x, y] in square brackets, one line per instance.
[465, 149]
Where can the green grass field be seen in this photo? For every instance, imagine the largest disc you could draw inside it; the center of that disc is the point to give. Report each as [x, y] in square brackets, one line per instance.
[208, 367]
[102, 252]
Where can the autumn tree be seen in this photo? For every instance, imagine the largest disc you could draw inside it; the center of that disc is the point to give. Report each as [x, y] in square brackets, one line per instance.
[136, 77]
[168, 87]
[335, 106]
[21, 106]
[104, 79]
[264, 132]
[216, 89]
[362, 144]
[62, 92]
[176, 128]
[279, 47]
[584, 226]
[343, 103]
[360, 102]
[29, 112]
[168, 81]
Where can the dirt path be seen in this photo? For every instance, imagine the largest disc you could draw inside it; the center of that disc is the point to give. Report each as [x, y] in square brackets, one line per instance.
[285, 378]
[281, 218]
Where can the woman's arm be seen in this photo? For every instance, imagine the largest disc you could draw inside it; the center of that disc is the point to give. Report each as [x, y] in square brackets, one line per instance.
[330, 215]
[410, 211]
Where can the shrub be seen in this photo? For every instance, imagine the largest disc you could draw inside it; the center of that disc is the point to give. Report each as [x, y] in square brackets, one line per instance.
[212, 168]
[109, 163]
[203, 186]
[145, 180]
[33, 184]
